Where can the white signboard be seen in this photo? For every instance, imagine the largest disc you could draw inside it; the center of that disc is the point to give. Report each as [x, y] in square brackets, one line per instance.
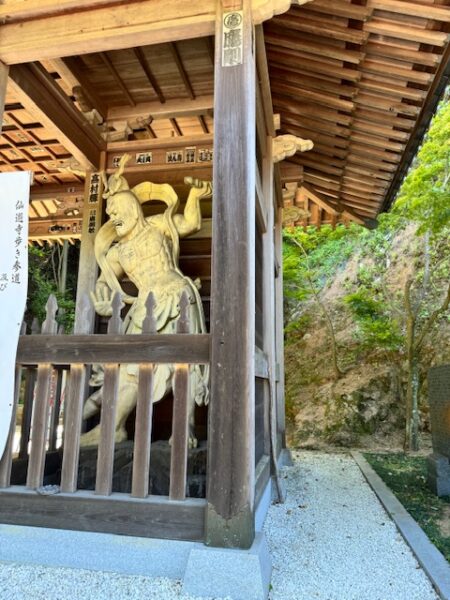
[14, 199]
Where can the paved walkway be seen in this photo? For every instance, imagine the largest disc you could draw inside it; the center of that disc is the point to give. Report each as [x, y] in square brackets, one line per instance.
[331, 540]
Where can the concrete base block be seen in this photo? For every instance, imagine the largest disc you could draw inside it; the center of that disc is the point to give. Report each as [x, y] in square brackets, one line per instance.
[237, 574]
[127, 555]
[438, 467]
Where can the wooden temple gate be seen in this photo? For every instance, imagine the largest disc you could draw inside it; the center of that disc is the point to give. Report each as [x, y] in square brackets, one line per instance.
[243, 349]
[360, 126]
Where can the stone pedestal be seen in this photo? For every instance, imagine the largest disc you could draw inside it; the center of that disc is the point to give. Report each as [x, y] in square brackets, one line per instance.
[438, 463]
[438, 468]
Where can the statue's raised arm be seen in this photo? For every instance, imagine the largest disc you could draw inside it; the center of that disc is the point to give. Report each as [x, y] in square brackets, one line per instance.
[191, 220]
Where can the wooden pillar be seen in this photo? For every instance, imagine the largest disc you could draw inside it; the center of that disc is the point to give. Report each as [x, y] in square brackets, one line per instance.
[279, 330]
[88, 269]
[231, 437]
[269, 286]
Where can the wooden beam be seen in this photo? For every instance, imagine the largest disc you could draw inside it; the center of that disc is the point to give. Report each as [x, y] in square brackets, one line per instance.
[89, 349]
[426, 11]
[169, 142]
[231, 435]
[4, 70]
[402, 31]
[72, 67]
[49, 105]
[202, 105]
[341, 8]
[319, 199]
[84, 511]
[130, 24]
[264, 79]
[278, 37]
[39, 31]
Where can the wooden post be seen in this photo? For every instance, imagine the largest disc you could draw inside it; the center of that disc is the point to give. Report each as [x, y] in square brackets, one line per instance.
[144, 412]
[269, 289]
[279, 331]
[73, 409]
[180, 419]
[231, 436]
[39, 425]
[4, 70]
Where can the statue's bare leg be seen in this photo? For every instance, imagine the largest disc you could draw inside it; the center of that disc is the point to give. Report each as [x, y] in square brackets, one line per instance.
[126, 401]
[192, 440]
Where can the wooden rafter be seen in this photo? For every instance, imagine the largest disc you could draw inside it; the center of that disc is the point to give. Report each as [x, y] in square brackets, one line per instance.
[72, 69]
[39, 94]
[118, 79]
[202, 105]
[181, 70]
[149, 73]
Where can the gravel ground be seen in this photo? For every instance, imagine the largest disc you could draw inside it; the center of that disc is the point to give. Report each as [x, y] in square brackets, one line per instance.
[331, 540]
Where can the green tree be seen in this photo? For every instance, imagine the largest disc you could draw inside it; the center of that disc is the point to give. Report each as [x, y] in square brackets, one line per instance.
[311, 258]
[46, 276]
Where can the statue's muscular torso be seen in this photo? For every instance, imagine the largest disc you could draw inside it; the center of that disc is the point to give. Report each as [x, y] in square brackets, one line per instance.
[148, 262]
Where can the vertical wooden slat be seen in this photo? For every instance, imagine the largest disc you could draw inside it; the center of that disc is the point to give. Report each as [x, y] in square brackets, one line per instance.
[54, 420]
[105, 458]
[73, 410]
[6, 459]
[144, 411]
[180, 419]
[39, 424]
[231, 432]
[30, 382]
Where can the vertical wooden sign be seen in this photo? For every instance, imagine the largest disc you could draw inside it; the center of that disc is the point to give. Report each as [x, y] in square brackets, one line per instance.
[88, 270]
[14, 196]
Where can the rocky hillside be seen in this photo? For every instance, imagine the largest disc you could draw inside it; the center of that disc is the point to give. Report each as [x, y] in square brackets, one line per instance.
[365, 406]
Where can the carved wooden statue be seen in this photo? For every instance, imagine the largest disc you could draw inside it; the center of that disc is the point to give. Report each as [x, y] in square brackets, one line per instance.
[146, 250]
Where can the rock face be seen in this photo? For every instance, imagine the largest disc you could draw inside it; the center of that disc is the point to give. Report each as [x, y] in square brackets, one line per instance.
[346, 413]
[123, 466]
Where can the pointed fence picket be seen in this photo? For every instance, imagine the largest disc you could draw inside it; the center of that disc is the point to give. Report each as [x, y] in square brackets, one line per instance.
[39, 423]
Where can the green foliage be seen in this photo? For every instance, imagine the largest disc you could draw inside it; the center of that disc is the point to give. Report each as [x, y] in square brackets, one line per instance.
[42, 281]
[406, 476]
[377, 328]
[298, 327]
[327, 251]
[425, 193]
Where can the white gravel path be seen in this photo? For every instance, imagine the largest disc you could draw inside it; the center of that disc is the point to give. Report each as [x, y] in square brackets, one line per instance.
[331, 540]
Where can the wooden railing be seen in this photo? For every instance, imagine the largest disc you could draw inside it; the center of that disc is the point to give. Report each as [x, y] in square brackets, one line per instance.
[40, 356]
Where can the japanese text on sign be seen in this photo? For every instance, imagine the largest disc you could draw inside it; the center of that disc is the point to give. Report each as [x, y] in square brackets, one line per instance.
[14, 190]
[232, 45]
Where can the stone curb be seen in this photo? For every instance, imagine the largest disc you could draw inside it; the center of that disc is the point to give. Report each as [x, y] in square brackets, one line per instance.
[428, 556]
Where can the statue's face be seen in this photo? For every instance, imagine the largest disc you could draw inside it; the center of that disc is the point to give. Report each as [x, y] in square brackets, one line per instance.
[123, 213]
